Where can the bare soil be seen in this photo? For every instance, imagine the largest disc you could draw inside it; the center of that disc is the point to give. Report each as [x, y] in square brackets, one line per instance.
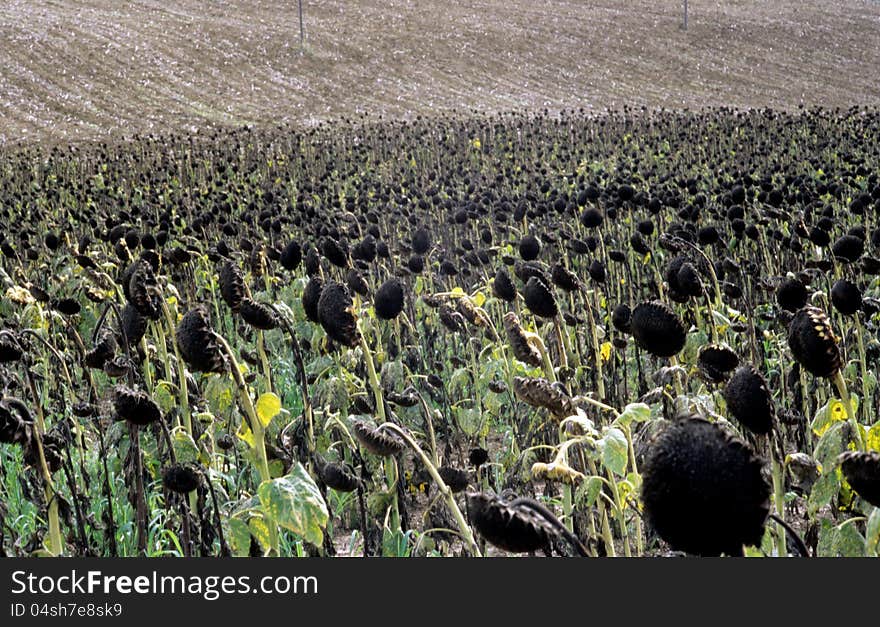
[92, 69]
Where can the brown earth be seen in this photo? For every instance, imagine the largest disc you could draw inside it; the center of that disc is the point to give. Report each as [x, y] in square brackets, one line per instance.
[76, 69]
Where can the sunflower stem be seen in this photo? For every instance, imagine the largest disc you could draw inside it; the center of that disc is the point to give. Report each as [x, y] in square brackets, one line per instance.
[463, 527]
[840, 384]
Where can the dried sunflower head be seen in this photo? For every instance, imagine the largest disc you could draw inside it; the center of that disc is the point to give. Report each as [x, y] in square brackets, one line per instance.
[749, 400]
[657, 329]
[310, 297]
[455, 478]
[539, 392]
[10, 349]
[389, 299]
[716, 361]
[258, 315]
[143, 290]
[503, 287]
[180, 478]
[335, 312]
[862, 471]
[337, 475]
[539, 299]
[232, 287]
[510, 528]
[198, 346]
[135, 406]
[846, 297]
[703, 490]
[103, 351]
[813, 343]
[557, 470]
[378, 442]
[519, 344]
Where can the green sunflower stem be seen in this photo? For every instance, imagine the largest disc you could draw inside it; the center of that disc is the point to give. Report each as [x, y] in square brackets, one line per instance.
[460, 521]
[840, 384]
[779, 499]
[181, 370]
[257, 429]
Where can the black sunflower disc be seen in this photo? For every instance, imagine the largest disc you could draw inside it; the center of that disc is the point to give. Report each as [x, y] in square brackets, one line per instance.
[335, 314]
[455, 478]
[749, 400]
[180, 478]
[389, 299]
[135, 406]
[862, 471]
[258, 315]
[232, 287]
[198, 346]
[337, 475]
[716, 361]
[657, 329]
[539, 299]
[813, 343]
[703, 490]
[512, 529]
[382, 443]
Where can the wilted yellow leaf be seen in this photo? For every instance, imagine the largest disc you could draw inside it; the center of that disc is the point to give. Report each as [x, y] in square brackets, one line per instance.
[605, 351]
[268, 406]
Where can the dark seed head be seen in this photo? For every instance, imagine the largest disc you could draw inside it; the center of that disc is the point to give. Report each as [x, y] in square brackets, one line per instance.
[862, 471]
[519, 344]
[657, 329]
[716, 361]
[180, 478]
[846, 297]
[813, 343]
[291, 255]
[258, 315]
[198, 346]
[848, 248]
[389, 299]
[749, 400]
[382, 443]
[135, 406]
[503, 287]
[335, 314]
[311, 296]
[510, 528]
[539, 299]
[337, 475]
[232, 287]
[529, 247]
[539, 392]
[455, 478]
[703, 489]
[478, 456]
[620, 318]
[791, 294]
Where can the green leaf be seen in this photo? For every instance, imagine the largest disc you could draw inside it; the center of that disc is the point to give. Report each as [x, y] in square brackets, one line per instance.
[872, 533]
[634, 412]
[830, 445]
[294, 502]
[872, 438]
[260, 530]
[588, 492]
[238, 536]
[268, 406]
[163, 396]
[823, 491]
[185, 449]
[614, 449]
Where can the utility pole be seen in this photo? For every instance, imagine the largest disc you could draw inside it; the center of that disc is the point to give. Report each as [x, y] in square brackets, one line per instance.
[302, 36]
